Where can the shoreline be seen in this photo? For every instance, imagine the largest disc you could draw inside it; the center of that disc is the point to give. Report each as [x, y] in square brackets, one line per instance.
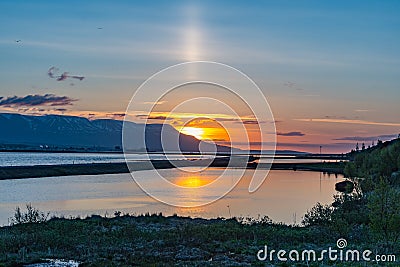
[38, 171]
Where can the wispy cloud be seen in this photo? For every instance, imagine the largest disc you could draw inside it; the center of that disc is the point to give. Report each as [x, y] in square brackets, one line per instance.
[153, 117]
[36, 100]
[185, 115]
[362, 110]
[35, 110]
[115, 116]
[159, 118]
[367, 138]
[290, 134]
[350, 121]
[289, 84]
[251, 122]
[199, 118]
[154, 103]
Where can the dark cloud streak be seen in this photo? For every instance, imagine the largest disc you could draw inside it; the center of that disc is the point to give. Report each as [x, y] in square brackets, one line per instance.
[117, 114]
[36, 100]
[291, 134]
[52, 74]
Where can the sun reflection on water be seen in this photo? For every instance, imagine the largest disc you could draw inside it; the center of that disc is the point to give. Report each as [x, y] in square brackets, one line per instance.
[193, 181]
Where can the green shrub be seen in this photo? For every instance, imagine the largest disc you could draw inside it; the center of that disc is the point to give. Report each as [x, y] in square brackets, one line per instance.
[31, 215]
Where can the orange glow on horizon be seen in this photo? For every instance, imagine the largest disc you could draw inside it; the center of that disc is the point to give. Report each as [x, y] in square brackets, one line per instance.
[207, 133]
[206, 129]
[193, 131]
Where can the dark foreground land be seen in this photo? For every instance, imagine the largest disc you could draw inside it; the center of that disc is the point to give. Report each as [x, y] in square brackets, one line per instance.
[155, 240]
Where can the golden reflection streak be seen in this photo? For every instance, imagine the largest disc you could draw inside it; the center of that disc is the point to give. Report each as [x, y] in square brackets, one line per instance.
[193, 181]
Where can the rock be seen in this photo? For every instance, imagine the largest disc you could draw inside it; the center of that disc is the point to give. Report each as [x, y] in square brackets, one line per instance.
[344, 186]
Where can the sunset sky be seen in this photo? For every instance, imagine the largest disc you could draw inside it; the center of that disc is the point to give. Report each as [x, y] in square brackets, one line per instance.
[329, 70]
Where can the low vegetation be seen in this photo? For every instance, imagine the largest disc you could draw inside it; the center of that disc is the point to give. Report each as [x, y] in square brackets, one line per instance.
[32, 215]
[151, 239]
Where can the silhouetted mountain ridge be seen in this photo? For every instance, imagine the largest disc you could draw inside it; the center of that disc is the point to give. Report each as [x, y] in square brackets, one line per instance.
[74, 131]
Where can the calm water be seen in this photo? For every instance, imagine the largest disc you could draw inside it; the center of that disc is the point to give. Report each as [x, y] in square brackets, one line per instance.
[43, 158]
[285, 196]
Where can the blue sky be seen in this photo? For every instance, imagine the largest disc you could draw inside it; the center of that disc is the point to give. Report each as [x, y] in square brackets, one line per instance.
[337, 62]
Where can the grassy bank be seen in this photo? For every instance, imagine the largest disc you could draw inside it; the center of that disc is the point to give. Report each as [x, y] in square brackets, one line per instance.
[164, 241]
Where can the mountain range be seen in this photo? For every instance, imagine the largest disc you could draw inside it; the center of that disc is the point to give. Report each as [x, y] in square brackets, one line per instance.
[72, 132]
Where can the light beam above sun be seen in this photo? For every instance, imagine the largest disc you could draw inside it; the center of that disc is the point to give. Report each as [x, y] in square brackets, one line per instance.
[192, 34]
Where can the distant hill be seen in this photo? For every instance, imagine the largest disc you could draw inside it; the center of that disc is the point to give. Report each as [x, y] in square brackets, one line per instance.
[72, 132]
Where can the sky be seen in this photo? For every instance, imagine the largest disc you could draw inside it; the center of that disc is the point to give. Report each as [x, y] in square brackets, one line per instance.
[330, 70]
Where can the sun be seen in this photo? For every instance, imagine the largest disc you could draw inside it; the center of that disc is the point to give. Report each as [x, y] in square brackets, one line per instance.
[193, 131]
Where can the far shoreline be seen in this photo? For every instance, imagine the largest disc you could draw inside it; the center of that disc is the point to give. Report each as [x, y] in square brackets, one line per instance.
[39, 171]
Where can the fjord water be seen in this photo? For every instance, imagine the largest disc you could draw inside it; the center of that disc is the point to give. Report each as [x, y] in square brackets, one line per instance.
[52, 158]
[56, 158]
[285, 196]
